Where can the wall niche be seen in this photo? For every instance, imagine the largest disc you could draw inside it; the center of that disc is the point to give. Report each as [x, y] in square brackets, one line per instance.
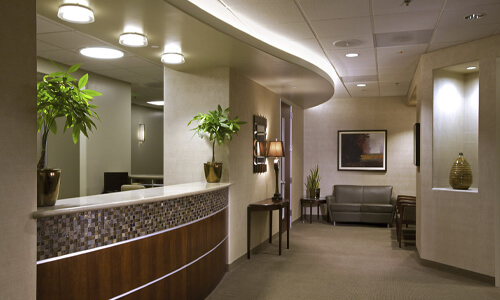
[455, 121]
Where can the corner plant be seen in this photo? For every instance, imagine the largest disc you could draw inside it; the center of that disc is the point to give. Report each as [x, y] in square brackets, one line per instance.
[218, 126]
[60, 95]
[313, 179]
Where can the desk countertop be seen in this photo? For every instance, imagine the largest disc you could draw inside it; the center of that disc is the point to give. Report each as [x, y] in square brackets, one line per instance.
[102, 201]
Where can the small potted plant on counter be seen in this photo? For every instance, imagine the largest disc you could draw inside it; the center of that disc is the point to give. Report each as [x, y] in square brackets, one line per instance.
[220, 129]
[59, 94]
[312, 183]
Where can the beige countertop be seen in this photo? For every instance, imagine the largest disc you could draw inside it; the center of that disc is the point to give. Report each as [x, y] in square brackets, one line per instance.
[103, 201]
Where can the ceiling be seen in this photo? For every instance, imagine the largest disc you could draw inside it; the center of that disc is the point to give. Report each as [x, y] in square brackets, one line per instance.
[389, 36]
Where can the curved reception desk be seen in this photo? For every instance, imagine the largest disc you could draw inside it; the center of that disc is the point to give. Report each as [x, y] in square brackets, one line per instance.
[159, 243]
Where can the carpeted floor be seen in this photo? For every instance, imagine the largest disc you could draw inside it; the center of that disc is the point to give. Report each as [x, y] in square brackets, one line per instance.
[345, 262]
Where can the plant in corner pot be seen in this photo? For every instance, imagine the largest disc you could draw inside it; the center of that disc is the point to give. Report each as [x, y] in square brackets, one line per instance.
[312, 182]
[220, 129]
[59, 94]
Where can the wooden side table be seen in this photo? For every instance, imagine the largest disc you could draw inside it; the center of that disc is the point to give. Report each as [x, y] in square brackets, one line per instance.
[311, 201]
[270, 205]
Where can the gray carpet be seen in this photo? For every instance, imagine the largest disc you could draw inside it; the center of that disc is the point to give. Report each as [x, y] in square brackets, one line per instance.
[345, 262]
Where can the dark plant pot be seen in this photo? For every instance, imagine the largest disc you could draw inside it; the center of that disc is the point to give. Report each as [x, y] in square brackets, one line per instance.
[213, 172]
[48, 182]
[314, 193]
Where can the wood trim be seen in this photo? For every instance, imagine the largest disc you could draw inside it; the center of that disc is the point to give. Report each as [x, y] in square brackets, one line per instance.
[113, 271]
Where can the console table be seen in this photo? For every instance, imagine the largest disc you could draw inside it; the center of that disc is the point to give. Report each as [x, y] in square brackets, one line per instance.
[270, 205]
[310, 201]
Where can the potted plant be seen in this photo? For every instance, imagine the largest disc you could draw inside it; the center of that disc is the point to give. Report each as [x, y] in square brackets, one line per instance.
[220, 129]
[312, 182]
[59, 94]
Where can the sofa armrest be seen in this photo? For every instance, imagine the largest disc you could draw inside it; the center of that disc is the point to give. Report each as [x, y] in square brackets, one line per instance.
[393, 201]
[330, 199]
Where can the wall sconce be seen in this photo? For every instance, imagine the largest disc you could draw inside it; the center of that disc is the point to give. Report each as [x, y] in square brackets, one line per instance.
[276, 150]
[141, 133]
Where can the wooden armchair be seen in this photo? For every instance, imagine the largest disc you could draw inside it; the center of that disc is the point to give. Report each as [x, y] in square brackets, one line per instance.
[405, 214]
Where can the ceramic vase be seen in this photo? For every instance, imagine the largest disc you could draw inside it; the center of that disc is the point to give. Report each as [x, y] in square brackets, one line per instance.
[460, 173]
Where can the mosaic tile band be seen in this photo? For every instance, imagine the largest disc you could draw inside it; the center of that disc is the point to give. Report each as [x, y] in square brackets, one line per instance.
[70, 233]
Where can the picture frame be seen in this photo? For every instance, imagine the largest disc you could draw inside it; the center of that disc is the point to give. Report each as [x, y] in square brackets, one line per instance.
[362, 150]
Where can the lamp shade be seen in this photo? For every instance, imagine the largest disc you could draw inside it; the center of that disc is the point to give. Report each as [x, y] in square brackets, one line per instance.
[275, 149]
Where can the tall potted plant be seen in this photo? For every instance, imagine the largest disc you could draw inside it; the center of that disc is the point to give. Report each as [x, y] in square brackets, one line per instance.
[59, 94]
[312, 182]
[220, 129]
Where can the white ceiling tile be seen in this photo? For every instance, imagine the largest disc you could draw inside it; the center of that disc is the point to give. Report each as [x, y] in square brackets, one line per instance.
[364, 54]
[95, 64]
[118, 73]
[311, 44]
[268, 13]
[70, 40]
[44, 25]
[392, 89]
[370, 90]
[366, 41]
[457, 4]
[436, 46]
[42, 46]
[294, 31]
[354, 72]
[132, 62]
[349, 26]
[406, 22]
[384, 7]
[63, 56]
[332, 9]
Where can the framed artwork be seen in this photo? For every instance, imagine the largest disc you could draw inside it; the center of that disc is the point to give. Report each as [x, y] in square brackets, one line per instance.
[362, 150]
[416, 144]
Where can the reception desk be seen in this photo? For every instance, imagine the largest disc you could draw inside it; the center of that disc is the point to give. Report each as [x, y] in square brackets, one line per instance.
[160, 243]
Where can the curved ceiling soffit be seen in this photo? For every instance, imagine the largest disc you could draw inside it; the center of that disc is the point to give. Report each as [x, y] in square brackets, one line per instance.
[218, 24]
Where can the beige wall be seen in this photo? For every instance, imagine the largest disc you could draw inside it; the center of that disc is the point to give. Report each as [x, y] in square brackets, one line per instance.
[147, 157]
[458, 228]
[247, 99]
[187, 94]
[18, 151]
[497, 185]
[379, 113]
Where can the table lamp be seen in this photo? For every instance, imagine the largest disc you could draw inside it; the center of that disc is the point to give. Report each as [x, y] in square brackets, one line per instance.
[276, 150]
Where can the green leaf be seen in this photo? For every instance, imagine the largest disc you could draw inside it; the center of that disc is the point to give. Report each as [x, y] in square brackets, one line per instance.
[91, 92]
[83, 81]
[75, 134]
[74, 67]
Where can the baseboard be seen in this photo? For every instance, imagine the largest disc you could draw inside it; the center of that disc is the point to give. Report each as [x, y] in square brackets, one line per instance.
[489, 280]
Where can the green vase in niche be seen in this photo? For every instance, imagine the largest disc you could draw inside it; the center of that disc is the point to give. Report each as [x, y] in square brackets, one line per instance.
[460, 174]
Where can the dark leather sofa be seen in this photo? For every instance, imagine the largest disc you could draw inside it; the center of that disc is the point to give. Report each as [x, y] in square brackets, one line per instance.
[361, 204]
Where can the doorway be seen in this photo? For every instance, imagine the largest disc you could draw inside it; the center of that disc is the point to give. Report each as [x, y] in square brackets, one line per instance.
[286, 162]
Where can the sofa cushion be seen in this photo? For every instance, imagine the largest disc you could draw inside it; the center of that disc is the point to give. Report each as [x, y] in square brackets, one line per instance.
[377, 194]
[348, 193]
[376, 208]
[345, 207]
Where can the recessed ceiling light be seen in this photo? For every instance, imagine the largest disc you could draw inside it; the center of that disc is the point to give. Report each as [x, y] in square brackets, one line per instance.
[101, 53]
[471, 68]
[475, 16]
[133, 39]
[172, 58]
[75, 13]
[158, 103]
[352, 55]
[361, 84]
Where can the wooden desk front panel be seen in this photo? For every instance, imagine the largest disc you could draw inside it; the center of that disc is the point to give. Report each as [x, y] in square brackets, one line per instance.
[109, 272]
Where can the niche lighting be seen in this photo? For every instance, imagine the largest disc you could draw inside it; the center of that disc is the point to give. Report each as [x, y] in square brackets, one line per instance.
[75, 13]
[471, 68]
[101, 53]
[133, 39]
[172, 58]
[352, 54]
[157, 103]
[361, 84]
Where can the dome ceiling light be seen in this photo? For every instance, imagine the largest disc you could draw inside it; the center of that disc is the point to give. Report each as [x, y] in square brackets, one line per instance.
[172, 58]
[101, 53]
[133, 39]
[75, 13]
